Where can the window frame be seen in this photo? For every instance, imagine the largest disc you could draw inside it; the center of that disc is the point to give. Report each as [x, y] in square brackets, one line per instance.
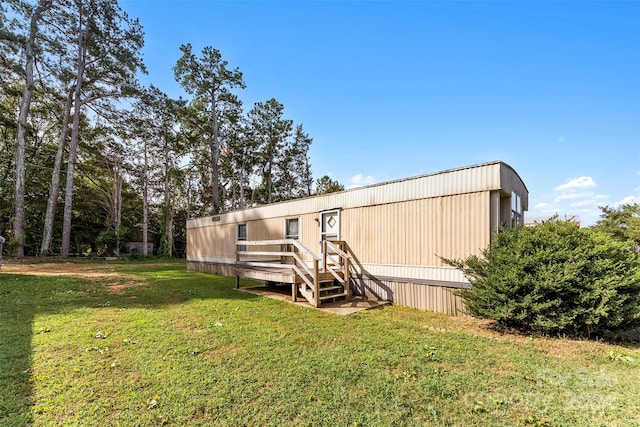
[516, 209]
[290, 236]
[240, 238]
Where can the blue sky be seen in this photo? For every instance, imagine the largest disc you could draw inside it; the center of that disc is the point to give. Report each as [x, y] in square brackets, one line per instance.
[395, 89]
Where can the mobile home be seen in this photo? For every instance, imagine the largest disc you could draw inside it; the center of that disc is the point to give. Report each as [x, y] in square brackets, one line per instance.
[383, 241]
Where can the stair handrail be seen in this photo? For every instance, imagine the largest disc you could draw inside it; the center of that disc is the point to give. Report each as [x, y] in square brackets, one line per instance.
[304, 249]
[343, 261]
[337, 250]
[298, 266]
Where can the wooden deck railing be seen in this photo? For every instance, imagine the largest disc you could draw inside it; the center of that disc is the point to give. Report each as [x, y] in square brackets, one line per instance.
[339, 248]
[289, 257]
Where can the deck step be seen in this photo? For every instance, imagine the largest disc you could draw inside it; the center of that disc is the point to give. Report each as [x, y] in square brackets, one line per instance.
[330, 288]
[333, 296]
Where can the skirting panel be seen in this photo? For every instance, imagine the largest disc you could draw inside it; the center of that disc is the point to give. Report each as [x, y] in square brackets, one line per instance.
[441, 299]
[212, 268]
[430, 297]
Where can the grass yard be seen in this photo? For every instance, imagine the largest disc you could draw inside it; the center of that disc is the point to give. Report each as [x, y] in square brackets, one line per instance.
[150, 344]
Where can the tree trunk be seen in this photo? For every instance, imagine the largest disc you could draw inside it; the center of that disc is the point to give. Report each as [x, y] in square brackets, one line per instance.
[145, 203]
[25, 106]
[168, 209]
[242, 201]
[117, 204]
[214, 145]
[54, 188]
[269, 180]
[73, 149]
[307, 176]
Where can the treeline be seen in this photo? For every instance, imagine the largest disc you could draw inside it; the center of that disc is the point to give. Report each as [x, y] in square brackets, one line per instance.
[90, 159]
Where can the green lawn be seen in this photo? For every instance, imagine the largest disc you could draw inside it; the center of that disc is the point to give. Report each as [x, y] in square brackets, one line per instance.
[152, 344]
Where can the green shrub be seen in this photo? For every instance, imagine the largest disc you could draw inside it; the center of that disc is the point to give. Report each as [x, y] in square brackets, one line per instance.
[555, 278]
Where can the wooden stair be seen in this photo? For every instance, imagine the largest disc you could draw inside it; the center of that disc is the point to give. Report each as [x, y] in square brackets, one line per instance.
[317, 279]
[330, 289]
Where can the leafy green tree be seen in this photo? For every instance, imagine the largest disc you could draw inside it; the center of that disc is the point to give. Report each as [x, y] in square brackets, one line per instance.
[622, 223]
[326, 185]
[555, 278]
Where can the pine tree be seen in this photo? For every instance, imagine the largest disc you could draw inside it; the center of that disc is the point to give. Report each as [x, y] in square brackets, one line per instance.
[210, 82]
[107, 47]
[270, 132]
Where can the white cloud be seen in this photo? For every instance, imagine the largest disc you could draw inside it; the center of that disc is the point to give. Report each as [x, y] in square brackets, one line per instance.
[578, 183]
[572, 196]
[576, 197]
[561, 138]
[542, 205]
[543, 210]
[359, 179]
[628, 200]
[593, 202]
[591, 198]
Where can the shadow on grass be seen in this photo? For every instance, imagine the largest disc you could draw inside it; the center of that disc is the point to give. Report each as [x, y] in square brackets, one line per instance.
[23, 297]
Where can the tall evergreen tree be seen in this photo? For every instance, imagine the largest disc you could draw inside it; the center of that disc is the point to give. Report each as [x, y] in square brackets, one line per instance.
[270, 131]
[294, 177]
[210, 82]
[161, 144]
[107, 47]
[26, 39]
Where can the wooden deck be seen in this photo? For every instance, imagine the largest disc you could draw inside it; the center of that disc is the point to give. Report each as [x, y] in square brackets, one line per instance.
[317, 279]
[342, 307]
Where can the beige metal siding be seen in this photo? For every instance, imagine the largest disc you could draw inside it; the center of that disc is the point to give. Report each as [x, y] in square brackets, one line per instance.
[511, 182]
[412, 233]
[397, 231]
[471, 179]
[418, 232]
[215, 240]
[422, 297]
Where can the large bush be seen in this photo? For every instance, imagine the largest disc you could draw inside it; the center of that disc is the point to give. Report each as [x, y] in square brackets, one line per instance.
[555, 278]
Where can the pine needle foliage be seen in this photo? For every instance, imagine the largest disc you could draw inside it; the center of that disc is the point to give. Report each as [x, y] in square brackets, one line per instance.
[555, 278]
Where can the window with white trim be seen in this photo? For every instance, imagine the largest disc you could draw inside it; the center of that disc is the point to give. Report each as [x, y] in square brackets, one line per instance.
[242, 235]
[292, 230]
[516, 209]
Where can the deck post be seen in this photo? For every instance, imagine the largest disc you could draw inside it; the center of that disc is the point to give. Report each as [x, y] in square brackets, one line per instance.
[2, 240]
[294, 285]
[324, 255]
[347, 281]
[316, 284]
[237, 261]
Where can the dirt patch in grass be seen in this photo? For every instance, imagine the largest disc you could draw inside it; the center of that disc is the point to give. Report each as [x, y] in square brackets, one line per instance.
[116, 289]
[117, 282]
[89, 271]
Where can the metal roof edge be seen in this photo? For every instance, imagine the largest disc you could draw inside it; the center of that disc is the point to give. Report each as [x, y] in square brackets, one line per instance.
[432, 174]
[514, 172]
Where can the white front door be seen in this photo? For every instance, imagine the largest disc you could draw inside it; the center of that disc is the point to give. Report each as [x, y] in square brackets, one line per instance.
[330, 225]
